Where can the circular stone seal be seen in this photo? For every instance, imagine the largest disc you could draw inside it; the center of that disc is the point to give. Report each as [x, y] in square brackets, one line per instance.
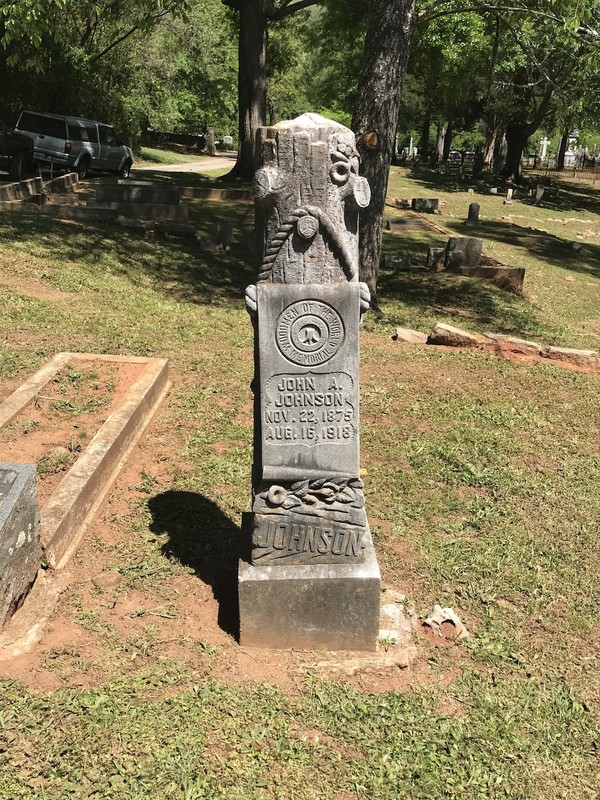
[309, 332]
[307, 227]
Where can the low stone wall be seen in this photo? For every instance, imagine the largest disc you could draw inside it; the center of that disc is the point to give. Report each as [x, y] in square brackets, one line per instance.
[503, 346]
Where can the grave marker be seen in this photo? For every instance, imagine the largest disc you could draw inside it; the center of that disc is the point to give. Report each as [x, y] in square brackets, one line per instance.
[473, 217]
[20, 550]
[313, 579]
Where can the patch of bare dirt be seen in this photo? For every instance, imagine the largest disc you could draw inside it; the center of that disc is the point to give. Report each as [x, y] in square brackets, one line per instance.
[32, 288]
[56, 427]
[183, 615]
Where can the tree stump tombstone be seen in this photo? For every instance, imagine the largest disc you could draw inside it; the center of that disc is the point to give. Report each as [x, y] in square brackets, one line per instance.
[312, 579]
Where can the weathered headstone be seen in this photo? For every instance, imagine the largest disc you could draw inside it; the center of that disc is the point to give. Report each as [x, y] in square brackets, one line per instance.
[539, 194]
[20, 551]
[464, 251]
[312, 580]
[473, 217]
[425, 205]
[436, 259]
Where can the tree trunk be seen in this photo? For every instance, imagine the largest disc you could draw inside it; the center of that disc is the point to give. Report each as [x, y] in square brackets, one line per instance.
[384, 60]
[252, 84]
[564, 143]
[517, 135]
[424, 141]
[448, 136]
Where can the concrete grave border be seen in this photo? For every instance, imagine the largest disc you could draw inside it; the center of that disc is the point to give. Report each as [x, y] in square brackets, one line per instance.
[69, 510]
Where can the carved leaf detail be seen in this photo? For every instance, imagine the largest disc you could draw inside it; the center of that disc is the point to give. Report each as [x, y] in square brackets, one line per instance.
[346, 495]
[300, 488]
[291, 502]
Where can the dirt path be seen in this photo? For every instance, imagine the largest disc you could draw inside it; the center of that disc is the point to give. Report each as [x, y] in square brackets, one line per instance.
[218, 162]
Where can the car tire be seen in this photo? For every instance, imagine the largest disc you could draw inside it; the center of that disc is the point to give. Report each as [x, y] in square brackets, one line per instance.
[17, 167]
[125, 170]
[82, 169]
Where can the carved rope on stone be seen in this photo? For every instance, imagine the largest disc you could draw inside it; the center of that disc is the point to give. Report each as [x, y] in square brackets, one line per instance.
[306, 232]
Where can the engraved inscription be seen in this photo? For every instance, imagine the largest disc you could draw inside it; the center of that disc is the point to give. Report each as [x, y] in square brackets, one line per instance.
[309, 332]
[284, 539]
[310, 408]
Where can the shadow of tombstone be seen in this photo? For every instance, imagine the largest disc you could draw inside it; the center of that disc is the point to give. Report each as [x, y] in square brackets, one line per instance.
[203, 538]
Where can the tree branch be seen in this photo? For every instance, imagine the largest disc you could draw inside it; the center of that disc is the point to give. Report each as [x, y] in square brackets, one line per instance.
[129, 33]
[288, 8]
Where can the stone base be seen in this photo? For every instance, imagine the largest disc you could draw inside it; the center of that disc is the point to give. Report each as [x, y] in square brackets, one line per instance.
[316, 607]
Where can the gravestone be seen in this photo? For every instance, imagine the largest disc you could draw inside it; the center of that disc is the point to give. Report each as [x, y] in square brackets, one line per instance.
[473, 217]
[464, 251]
[436, 259]
[312, 579]
[539, 194]
[20, 551]
[425, 205]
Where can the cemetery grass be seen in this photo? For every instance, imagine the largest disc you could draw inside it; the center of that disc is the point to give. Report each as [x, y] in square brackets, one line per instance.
[482, 481]
[154, 155]
[558, 244]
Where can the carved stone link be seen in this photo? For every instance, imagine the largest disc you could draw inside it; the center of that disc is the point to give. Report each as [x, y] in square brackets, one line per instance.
[250, 298]
[286, 228]
[365, 297]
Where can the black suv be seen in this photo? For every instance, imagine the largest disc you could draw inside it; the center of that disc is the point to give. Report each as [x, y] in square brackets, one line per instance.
[16, 153]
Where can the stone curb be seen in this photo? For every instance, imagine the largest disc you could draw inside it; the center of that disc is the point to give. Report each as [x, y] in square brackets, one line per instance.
[73, 504]
[502, 346]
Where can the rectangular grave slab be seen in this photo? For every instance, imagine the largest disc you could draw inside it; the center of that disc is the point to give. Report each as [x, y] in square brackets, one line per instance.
[139, 192]
[20, 550]
[312, 579]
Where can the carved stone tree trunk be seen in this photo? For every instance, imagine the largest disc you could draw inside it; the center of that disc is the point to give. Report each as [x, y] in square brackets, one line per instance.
[376, 116]
[312, 580]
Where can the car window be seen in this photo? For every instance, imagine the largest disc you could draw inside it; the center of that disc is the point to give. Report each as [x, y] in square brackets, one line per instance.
[77, 133]
[107, 135]
[38, 123]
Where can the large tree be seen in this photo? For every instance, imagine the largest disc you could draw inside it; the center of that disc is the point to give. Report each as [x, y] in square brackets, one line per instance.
[254, 18]
[375, 119]
[542, 32]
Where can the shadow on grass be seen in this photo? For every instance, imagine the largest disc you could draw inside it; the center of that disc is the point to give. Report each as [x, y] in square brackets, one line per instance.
[540, 244]
[560, 195]
[429, 293]
[186, 271]
[203, 538]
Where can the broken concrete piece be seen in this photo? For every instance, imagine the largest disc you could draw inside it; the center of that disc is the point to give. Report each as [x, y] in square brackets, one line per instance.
[133, 224]
[452, 337]
[508, 278]
[438, 615]
[409, 336]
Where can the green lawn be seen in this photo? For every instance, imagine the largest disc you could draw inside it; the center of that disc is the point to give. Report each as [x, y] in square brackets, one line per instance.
[153, 155]
[482, 492]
